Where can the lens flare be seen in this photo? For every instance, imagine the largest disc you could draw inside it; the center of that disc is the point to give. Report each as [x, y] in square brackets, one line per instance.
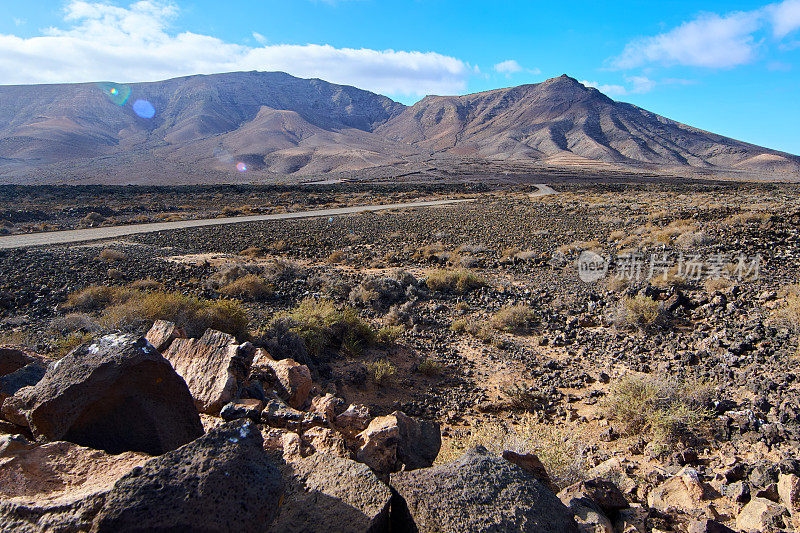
[144, 109]
[116, 92]
[241, 167]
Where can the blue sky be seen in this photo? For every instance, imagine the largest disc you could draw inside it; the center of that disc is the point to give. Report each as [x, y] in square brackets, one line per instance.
[728, 67]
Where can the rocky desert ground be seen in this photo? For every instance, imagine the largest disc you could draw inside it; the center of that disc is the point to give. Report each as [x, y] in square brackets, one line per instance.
[621, 356]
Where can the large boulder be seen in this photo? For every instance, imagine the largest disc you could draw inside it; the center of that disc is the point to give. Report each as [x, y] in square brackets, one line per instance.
[222, 481]
[477, 492]
[761, 514]
[291, 380]
[214, 366]
[115, 393]
[162, 333]
[789, 491]
[58, 486]
[327, 493]
[397, 440]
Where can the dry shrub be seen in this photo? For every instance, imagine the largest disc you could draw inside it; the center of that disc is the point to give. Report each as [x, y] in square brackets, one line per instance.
[381, 372]
[561, 449]
[669, 412]
[617, 283]
[517, 318]
[322, 325]
[690, 239]
[429, 367]
[97, 297]
[388, 335]
[193, 315]
[523, 398]
[146, 285]
[282, 270]
[249, 287]
[73, 322]
[253, 251]
[641, 311]
[109, 254]
[617, 235]
[713, 285]
[337, 256]
[457, 281]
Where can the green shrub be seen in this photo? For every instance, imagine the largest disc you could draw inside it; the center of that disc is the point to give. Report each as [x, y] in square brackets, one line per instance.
[457, 281]
[388, 335]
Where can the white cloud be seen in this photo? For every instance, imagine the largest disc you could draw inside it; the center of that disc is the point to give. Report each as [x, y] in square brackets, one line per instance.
[708, 41]
[785, 17]
[134, 43]
[712, 40]
[608, 90]
[640, 85]
[260, 39]
[508, 66]
[512, 66]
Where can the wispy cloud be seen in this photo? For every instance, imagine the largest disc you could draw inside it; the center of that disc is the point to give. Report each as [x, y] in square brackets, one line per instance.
[638, 85]
[607, 89]
[512, 66]
[712, 40]
[134, 43]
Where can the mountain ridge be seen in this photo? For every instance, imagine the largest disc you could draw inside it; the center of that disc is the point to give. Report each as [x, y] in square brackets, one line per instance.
[279, 125]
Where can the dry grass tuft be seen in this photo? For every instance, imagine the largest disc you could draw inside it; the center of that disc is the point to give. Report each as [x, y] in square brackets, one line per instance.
[457, 281]
[109, 254]
[515, 319]
[381, 372]
[249, 287]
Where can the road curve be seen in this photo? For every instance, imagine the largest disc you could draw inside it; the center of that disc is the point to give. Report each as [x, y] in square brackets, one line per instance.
[111, 232]
[544, 190]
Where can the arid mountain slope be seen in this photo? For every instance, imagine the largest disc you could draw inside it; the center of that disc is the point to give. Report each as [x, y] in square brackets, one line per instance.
[561, 116]
[278, 125]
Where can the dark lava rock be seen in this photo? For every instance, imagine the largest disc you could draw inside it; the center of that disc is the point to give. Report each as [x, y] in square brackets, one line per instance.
[27, 376]
[12, 358]
[115, 393]
[324, 493]
[222, 481]
[477, 492]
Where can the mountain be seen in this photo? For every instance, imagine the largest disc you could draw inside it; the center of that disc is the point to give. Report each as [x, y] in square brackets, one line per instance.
[197, 128]
[561, 116]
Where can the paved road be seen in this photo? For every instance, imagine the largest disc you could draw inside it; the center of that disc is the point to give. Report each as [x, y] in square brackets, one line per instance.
[544, 190]
[111, 232]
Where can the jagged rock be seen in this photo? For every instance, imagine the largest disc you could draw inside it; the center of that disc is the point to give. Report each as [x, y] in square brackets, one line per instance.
[587, 514]
[27, 376]
[326, 440]
[789, 491]
[632, 520]
[277, 414]
[282, 442]
[213, 366]
[115, 393]
[760, 515]
[57, 486]
[396, 440]
[162, 334]
[292, 380]
[223, 481]
[247, 408]
[353, 420]
[477, 492]
[613, 469]
[708, 526]
[683, 492]
[531, 463]
[327, 493]
[12, 358]
[328, 407]
[604, 493]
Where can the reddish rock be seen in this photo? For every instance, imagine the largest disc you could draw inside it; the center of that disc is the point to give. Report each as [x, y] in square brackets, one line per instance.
[58, 486]
[531, 463]
[397, 440]
[292, 380]
[328, 407]
[789, 491]
[353, 420]
[213, 366]
[162, 334]
[115, 393]
[326, 440]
